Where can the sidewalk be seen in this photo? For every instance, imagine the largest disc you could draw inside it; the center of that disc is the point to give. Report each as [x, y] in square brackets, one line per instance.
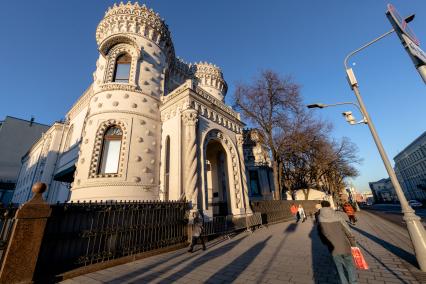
[281, 253]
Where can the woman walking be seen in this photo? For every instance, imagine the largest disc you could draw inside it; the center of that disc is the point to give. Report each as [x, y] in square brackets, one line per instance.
[301, 212]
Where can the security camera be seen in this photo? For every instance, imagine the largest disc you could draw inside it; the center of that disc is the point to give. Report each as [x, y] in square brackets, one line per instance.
[349, 117]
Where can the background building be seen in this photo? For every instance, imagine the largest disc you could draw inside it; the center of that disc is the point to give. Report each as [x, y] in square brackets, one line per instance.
[16, 137]
[383, 191]
[410, 167]
[258, 164]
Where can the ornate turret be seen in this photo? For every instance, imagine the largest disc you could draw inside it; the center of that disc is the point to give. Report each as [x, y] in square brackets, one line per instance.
[133, 19]
[120, 146]
[210, 78]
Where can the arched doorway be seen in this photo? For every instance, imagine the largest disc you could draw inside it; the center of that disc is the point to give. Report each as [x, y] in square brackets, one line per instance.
[217, 178]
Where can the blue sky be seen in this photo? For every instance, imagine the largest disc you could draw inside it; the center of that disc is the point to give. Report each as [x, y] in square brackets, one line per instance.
[49, 54]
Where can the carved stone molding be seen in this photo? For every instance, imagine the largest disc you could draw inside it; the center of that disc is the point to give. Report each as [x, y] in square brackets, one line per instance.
[97, 149]
[135, 19]
[227, 143]
[190, 117]
[116, 51]
[146, 187]
[240, 140]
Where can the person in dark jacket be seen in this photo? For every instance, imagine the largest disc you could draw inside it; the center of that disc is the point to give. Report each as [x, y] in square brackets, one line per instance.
[336, 234]
[197, 229]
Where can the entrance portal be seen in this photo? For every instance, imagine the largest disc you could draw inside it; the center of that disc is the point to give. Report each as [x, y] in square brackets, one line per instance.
[217, 178]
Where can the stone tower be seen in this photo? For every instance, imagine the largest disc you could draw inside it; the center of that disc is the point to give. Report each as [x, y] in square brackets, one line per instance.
[120, 147]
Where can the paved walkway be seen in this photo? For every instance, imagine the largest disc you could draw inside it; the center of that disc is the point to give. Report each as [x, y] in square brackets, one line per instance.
[281, 253]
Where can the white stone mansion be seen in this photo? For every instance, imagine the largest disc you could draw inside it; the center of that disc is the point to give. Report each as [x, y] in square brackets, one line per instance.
[149, 127]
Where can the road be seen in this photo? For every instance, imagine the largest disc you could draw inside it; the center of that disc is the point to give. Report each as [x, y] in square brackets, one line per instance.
[281, 253]
[392, 212]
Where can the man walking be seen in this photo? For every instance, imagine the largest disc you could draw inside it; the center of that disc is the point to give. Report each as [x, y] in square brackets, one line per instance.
[336, 234]
[197, 228]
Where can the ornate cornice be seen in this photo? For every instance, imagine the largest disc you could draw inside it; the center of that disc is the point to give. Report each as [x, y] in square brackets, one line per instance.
[146, 187]
[190, 117]
[82, 102]
[122, 87]
[135, 19]
[207, 106]
[155, 118]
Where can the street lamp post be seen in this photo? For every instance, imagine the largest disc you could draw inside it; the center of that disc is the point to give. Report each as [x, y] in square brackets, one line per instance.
[415, 228]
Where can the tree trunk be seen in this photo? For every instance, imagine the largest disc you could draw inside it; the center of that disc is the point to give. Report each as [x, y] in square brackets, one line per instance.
[306, 193]
[275, 168]
[281, 179]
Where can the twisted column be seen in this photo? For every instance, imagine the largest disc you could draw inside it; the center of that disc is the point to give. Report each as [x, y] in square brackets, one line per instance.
[240, 142]
[190, 119]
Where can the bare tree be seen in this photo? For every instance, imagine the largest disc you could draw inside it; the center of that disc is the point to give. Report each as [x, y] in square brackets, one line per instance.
[272, 104]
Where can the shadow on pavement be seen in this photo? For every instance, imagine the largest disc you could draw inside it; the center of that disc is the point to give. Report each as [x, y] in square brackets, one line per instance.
[384, 265]
[202, 258]
[323, 266]
[408, 257]
[239, 264]
[291, 228]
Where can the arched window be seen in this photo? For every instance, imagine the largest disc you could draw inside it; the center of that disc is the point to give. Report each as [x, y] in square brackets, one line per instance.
[167, 170]
[111, 151]
[122, 68]
[69, 136]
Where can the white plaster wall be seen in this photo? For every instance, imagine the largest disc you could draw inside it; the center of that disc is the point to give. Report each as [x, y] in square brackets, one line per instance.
[77, 122]
[32, 164]
[172, 128]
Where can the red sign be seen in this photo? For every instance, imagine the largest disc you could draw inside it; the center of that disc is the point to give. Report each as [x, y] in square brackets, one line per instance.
[402, 24]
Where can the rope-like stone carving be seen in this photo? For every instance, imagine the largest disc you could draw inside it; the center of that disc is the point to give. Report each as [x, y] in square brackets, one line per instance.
[240, 142]
[190, 119]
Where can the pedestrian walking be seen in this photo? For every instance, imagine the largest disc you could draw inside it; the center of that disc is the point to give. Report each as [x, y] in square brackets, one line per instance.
[317, 211]
[301, 212]
[294, 212]
[336, 235]
[197, 229]
[349, 210]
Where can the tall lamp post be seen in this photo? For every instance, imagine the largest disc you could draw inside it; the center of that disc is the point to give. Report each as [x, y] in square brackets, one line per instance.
[415, 228]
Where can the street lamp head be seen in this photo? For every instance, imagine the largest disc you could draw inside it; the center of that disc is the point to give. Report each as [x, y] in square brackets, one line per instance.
[409, 18]
[316, 106]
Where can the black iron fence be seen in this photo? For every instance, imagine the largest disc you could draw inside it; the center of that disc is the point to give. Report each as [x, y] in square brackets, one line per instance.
[220, 225]
[81, 234]
[274, 211]
[7, 219]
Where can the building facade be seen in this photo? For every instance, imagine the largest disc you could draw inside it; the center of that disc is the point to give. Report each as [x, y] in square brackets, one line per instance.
[410, 167]
[383, 191]
[16, 136]
[259, 166]
[149, 127]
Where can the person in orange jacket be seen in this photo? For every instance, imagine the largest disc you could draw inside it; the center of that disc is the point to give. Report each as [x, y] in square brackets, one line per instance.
[349, 210]
[294, 211]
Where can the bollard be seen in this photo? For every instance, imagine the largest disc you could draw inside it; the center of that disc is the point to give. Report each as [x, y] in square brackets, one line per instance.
[22, 251]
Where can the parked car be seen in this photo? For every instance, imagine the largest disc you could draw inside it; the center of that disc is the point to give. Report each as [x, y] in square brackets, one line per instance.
[415, 203]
